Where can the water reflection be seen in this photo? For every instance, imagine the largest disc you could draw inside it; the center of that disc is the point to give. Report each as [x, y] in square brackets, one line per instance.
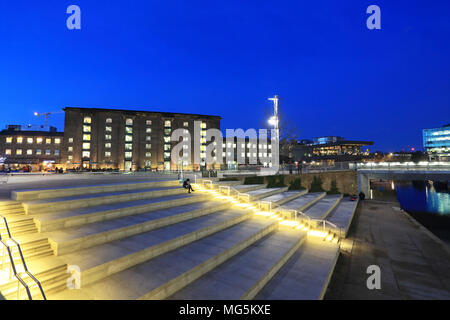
[421, 196]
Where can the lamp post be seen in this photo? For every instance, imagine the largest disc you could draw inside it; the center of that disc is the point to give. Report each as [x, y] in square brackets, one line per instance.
[274, 120]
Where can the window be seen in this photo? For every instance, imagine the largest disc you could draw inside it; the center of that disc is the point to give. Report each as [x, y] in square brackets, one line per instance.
[8, 152]
[186, 124]
[167, 131]
[86, 154]
[70, 149]
[128, 146]
[148, 130]
[148, 146]
[29, 140]
[148, 138]
[108, 120]
[167, 139]
[185, 139]
[166, 154]
[70, 140]
[108, 129]
[86, 137]
[203, 125]
[128, 130]
[108, 145]
[167, 123]
[9, 139]
[70, 158]
[19, 140]
[167, 147]
[128, 155]
[86, 128]
[38, 151]
[48, 141]
[57, 141]
[47, 152]
[128, 138]
[148, 122]
[108, 137]
[39, 140]
[87, 120]
[86, 146]
[107, 154]
[129, 122]
[186, 131]
[56, 152]
[148, 154]
[19, 152]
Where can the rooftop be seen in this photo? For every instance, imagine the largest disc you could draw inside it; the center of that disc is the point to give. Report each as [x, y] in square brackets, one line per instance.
[163, 113]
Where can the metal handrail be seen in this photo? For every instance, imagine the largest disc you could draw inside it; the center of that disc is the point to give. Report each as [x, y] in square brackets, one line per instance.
[13, 264]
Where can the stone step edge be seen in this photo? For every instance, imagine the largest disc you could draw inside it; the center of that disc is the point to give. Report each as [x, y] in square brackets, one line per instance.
[176, 284]
[124, 232]
[107, 269]
[52, 193]
[84, 203]
[256, 288]
[83, 219]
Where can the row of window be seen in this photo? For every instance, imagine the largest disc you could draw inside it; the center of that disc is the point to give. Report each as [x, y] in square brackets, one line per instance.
[31, 140]
[30, 152]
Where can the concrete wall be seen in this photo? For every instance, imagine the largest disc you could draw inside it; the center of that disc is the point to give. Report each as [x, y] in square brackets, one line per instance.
[346, 180]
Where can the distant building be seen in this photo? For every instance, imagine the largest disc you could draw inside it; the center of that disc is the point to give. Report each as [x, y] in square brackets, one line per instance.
[128, 140]
[31, 149]
[330, 148]
[436, 142]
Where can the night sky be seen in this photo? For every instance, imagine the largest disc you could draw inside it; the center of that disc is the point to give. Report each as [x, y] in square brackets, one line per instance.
[226, 58]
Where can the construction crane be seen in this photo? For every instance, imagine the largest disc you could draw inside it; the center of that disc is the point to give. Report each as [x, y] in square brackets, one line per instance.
[46, 115]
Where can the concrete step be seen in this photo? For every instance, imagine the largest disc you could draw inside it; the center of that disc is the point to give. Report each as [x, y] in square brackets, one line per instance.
[77, 238]
[104, 260]
[83, 201]
[342, 216]
[243, 188]
[306, 275]
[162, 276]
[322, 208]
[36, 194]
[51, 273]
[264, 193]
[29, 255]
[244, 275]
[283, 197]
[301, 203]
[82, 216]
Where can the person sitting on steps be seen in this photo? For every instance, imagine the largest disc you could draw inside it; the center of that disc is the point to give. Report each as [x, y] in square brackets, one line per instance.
[187, 185]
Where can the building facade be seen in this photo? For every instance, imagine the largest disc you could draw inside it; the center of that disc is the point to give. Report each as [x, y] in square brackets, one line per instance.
[129, 140]
[22, 149]
[436, 142]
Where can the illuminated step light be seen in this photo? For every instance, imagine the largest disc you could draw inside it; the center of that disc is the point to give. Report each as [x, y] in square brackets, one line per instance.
[290, 223]
[263, 213]
[317, 233]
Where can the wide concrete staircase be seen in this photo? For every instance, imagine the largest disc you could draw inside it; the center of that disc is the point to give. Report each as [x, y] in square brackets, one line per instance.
[153, 240]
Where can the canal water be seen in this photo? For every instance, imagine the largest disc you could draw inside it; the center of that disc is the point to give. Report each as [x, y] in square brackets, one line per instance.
[429, 203]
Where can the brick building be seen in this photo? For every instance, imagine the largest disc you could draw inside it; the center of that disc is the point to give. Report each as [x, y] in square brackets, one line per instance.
[37, 150]
[125, 139]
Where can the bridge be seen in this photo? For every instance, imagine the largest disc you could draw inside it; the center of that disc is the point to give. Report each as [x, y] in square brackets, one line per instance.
[435, 171]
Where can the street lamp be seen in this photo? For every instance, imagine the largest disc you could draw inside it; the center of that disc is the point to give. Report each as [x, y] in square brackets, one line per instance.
[274, 121]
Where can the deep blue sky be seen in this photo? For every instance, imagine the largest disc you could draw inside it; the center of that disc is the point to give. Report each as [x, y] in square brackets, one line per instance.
[335, 76]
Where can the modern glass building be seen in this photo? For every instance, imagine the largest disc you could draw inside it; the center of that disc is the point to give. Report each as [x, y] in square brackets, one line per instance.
[437, 141]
